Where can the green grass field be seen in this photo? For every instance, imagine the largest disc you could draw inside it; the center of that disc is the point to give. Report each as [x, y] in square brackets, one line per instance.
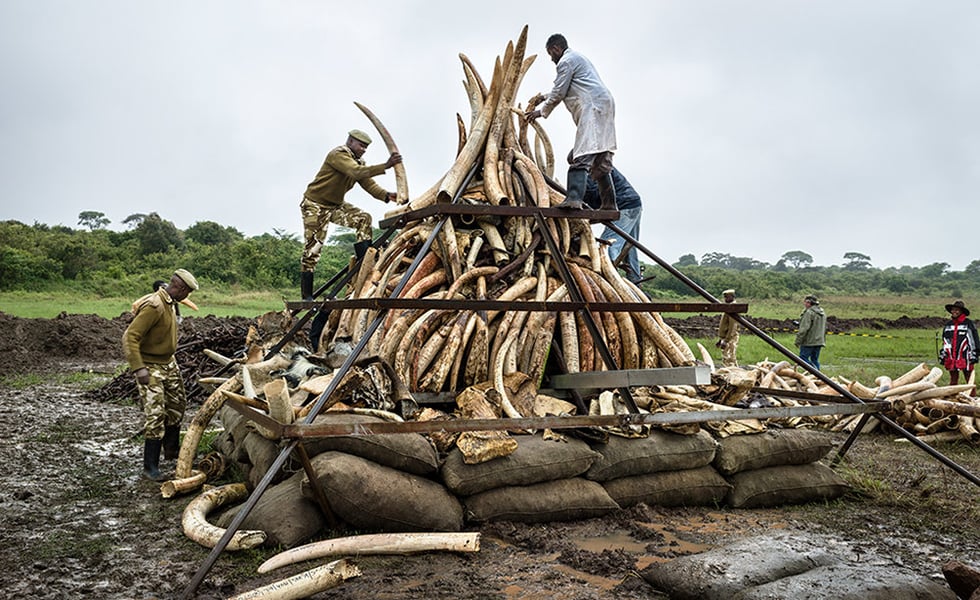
[861, 355]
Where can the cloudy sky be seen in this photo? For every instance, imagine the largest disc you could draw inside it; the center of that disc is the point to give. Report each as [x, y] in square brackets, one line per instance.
[749, 127]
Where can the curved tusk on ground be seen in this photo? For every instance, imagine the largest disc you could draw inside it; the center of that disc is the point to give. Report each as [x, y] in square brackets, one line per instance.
[197, 528]
[401, 179]
[377, 543]
[304, 584]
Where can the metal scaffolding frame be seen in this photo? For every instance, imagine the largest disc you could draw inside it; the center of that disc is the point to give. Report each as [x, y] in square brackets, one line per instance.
[294, 434]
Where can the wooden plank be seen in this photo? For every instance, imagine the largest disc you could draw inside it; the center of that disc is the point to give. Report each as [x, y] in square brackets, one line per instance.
[696, 375]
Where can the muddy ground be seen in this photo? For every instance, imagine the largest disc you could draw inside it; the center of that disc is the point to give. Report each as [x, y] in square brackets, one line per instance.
[78, 522]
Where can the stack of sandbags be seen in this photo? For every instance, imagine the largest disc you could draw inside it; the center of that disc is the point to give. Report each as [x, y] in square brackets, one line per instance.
[540, 481]
[662, 469]
[776, 467]
[372, 482]
[251, 453]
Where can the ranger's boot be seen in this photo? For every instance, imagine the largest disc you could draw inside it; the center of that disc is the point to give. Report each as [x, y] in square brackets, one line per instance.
[361, 248]
[306, 285]
[171, 442]
[151, 460]
[607, 192]
[576, 189]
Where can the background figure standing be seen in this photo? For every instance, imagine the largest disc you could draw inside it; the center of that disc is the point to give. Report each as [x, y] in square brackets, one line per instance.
[811, 334]
[960, 344]
[149, 344]
[594, 112]
[728, 334]
[323, 202]
[630, 212]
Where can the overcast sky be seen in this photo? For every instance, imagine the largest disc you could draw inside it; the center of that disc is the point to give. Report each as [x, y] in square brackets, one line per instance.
[749, 127]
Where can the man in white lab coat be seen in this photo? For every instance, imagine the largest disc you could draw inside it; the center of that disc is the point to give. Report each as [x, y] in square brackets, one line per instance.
[593, 110]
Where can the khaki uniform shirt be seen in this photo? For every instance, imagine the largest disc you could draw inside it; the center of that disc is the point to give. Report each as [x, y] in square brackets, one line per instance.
[728, 327]
[339, 173]
[152, 335]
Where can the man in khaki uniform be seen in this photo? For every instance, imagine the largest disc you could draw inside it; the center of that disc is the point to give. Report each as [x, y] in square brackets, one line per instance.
[323, 202]
[149, 343]
[728, 334]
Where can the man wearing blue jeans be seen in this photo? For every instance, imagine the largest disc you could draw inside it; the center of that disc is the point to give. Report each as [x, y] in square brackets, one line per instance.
[812, 331]
[630, 211]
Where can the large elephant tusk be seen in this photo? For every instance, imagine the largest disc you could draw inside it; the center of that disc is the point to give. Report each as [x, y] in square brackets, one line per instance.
[304, 584]
[401, 179]
[196, 525]
[372, 544]
[706, 357]
[195, 430]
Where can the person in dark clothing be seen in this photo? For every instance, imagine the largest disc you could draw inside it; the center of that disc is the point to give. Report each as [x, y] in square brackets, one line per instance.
[630, 211]
[959, 353]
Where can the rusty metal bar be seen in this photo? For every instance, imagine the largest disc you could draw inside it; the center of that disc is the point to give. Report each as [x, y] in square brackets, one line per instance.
[800, 362]
[500, 211]
[321, 498]
[559, 259]
[520, 305]
[320, 430]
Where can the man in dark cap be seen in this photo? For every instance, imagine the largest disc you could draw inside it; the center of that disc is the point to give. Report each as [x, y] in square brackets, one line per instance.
[323, 202]
[812, 331]
[149, 344]
[960, 344]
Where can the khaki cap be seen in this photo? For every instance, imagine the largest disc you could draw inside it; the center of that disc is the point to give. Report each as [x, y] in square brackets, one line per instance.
[727, 292]
[187, 278]
[360, 136]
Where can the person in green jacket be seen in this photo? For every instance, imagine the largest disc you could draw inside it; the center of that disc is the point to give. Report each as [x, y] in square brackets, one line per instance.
[812, 331]
[149, 344]
[323, 202]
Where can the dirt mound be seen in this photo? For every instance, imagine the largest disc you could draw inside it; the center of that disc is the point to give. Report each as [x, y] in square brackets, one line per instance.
[707, 325]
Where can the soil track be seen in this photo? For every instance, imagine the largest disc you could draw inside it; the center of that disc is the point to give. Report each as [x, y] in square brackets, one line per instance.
[77, 521]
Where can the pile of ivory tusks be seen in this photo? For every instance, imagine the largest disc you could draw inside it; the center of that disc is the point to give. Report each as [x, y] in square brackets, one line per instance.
[499, 258]
[919, 403]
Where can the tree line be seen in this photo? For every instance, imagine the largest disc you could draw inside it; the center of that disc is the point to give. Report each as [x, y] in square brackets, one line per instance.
[91, 257]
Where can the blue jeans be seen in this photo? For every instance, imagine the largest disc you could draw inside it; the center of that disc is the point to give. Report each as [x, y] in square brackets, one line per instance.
[811, 354]
[628, 221]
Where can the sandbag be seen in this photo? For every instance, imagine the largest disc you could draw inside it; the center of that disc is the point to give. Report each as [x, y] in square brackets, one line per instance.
[286, 516]
[260, 453]
[536, 460]
[561, 500]
[660, 451]
[236, 429]
[721, 573]
[374, 497]
[851, 582]
[787, 484]
[409, 452]
[692, 487]
[771, 448]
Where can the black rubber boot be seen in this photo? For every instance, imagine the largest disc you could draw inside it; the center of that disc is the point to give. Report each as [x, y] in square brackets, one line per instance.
[151, 460]
[607, 193]
[576, 189]
[306, 285]
[171, 442]
[316, 328]
[361, 248]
